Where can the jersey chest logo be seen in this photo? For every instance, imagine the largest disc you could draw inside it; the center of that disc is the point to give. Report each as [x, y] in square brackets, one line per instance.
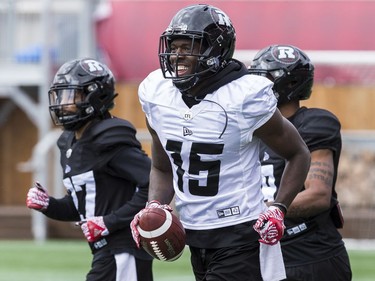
[186, 131]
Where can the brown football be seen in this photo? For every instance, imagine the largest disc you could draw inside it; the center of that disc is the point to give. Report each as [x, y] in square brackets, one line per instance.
[161, 234]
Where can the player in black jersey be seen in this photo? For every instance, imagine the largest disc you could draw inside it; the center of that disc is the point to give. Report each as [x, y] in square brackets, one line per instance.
[105, 171]
[312, 247]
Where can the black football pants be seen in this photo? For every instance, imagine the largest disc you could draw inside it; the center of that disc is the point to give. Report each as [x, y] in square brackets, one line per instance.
[336, 268]
[239, 263]
[122, 266]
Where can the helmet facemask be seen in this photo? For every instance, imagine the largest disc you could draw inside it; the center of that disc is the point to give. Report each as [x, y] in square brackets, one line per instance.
[69, 108]
[169, 59]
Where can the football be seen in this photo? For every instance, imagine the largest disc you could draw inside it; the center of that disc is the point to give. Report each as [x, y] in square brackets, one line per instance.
[161, 234]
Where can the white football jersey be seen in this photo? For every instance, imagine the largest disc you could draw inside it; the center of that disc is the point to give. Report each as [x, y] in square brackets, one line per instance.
[214, 156]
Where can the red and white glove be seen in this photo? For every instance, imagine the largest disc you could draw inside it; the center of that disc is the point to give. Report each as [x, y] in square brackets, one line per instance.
[270, 226]
[93, 228]
[37, 198]
[134, 223]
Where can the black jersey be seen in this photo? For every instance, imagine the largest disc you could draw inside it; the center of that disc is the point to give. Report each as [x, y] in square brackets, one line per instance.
[106, 173]
[308, 239]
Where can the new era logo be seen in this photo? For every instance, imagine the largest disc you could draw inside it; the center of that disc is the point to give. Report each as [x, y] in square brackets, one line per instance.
[228, 212]
[186, 131]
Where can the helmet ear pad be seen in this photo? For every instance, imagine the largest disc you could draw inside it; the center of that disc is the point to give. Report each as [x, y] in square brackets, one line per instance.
[295, 86]
[97, 98]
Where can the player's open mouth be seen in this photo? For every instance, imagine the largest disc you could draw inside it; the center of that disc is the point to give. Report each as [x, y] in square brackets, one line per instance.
[182, 70]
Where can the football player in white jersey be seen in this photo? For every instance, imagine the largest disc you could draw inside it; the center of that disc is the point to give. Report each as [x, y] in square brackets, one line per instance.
[207, 115]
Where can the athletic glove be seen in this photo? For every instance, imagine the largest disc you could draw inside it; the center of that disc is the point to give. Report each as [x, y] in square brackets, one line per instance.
[134, 223]
[270, 226]
[93, 228]
[37, 198]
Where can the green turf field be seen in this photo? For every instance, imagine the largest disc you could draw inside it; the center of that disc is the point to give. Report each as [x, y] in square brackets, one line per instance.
[70, 260]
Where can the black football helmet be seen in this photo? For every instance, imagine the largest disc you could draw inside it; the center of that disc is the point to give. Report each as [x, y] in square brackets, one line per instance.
[289, 68]
[81, 90]
[212, 29]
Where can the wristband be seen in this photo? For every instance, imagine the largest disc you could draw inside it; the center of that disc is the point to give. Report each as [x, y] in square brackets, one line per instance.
[281, 206]
[152, 203]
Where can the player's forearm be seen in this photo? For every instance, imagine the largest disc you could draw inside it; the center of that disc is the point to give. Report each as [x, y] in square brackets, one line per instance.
[122, 217]
[161, 186]
[293, 177]
[62, 209]
[316, 197]
[308, 203]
